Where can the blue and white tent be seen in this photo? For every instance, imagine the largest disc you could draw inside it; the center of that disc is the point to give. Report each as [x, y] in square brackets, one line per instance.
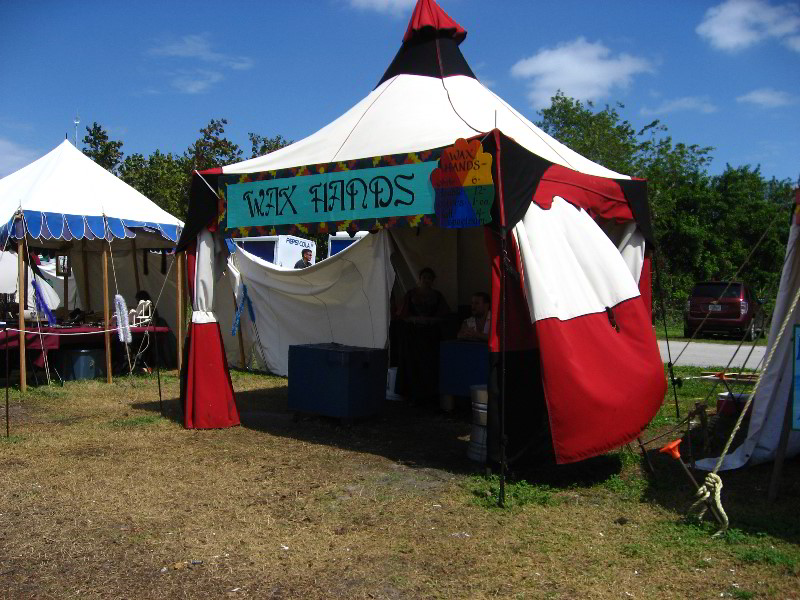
[65, 196]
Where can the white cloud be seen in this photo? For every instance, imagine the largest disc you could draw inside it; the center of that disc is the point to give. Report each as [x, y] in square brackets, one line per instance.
[395, 7]
[581, 69]
[13, 157]
[196, 66]
[767, 98]
[687, 103]
[195, 82]
[739, 24]
[198, 47]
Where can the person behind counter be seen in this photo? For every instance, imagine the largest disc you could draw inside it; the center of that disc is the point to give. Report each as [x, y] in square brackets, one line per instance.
[305, 261]
[424, 301]
[476, 327]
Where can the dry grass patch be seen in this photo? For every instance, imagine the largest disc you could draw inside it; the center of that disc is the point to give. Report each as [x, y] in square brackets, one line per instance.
[102, 497]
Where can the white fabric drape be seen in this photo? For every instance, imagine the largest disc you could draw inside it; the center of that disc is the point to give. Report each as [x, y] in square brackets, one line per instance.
[571, 267]
[207, 270]
[9, 281]
[630, 243]
[769, 404]
[344, 299]
[124, 283]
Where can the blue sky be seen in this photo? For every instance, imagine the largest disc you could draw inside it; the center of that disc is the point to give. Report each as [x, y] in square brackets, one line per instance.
[722, 74]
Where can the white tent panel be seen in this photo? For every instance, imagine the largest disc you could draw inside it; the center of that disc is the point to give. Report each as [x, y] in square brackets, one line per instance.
[408, 113]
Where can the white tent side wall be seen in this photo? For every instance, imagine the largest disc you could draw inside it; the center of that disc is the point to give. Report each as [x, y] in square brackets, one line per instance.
[125, 281]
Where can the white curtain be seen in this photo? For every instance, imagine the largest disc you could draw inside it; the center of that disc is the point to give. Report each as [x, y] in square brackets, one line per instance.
[343, 299]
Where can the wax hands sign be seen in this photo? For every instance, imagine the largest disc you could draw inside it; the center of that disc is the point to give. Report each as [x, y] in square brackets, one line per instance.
[463, 185]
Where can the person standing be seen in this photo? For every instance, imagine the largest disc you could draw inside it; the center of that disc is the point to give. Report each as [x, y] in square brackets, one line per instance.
[305, 261]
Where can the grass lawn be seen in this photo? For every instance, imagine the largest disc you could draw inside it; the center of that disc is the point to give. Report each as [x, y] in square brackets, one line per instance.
[675, 332]
[102, 497]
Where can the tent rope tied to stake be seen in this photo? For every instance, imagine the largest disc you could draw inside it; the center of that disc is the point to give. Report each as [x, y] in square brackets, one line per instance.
[712, 487]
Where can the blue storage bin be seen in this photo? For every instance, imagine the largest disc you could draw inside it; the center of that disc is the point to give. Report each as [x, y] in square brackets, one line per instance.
[337, 381]
[462, 364]
[82, 363]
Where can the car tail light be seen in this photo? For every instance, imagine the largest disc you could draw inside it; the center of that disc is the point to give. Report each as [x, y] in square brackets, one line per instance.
[743, 306]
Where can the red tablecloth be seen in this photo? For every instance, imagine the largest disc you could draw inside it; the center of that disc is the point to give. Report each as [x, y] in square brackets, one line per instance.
[41, 344]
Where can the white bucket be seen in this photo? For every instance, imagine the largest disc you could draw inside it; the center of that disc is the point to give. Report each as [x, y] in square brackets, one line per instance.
[391, 379]
[480, 399]
[477, 444]
[479, 394]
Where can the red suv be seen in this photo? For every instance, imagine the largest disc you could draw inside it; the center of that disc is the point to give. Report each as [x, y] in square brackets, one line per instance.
[727, 307]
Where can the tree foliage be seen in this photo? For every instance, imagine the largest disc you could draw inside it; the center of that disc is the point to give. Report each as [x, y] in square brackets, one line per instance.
[262, 145]
[212, 148]
[105, 152]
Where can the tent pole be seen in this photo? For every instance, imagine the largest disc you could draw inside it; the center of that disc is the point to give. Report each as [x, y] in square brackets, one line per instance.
[503, 465]
[777, 467]
[21, 266]
[88, 308]
[5, 331]
[106, 317]
[66, 286]
[135, 266]
[179, 303]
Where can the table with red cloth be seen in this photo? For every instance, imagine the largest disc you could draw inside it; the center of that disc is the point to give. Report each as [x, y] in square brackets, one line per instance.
[78, 335]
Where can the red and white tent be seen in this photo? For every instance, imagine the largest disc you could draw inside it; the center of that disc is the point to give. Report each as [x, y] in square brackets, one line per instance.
[567, 244]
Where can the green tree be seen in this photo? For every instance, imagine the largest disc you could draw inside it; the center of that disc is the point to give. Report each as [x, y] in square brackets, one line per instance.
[105, 152]
[262, 145]
[163, 178]
[212, 148]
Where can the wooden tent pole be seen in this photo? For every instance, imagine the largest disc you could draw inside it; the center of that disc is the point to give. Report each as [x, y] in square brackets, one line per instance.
[106, 316]
[88, 308]
[66, 287]
[179, 305]
[21, 266]
[136, 267]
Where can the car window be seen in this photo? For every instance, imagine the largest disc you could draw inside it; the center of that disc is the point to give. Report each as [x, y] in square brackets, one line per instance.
[716, 289]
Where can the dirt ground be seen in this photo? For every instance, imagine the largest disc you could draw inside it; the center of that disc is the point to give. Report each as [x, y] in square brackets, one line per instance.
[102, 497]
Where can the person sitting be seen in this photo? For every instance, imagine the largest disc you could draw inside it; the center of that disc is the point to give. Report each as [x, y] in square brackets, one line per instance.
[423, 301]
[476, 327]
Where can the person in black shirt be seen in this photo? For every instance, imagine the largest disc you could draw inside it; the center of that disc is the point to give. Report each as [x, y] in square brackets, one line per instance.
[305, 261]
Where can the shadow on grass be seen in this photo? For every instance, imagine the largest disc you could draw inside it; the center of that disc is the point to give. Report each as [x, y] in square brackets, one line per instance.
[416, 436]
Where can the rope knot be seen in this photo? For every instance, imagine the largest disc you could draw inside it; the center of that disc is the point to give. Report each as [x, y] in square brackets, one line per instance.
[708, 496]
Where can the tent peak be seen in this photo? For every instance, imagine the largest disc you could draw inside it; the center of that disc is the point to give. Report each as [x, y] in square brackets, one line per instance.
[428, 17]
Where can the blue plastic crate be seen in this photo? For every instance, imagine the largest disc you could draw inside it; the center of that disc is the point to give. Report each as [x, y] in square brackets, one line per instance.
[82, 363]
[337, 381]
